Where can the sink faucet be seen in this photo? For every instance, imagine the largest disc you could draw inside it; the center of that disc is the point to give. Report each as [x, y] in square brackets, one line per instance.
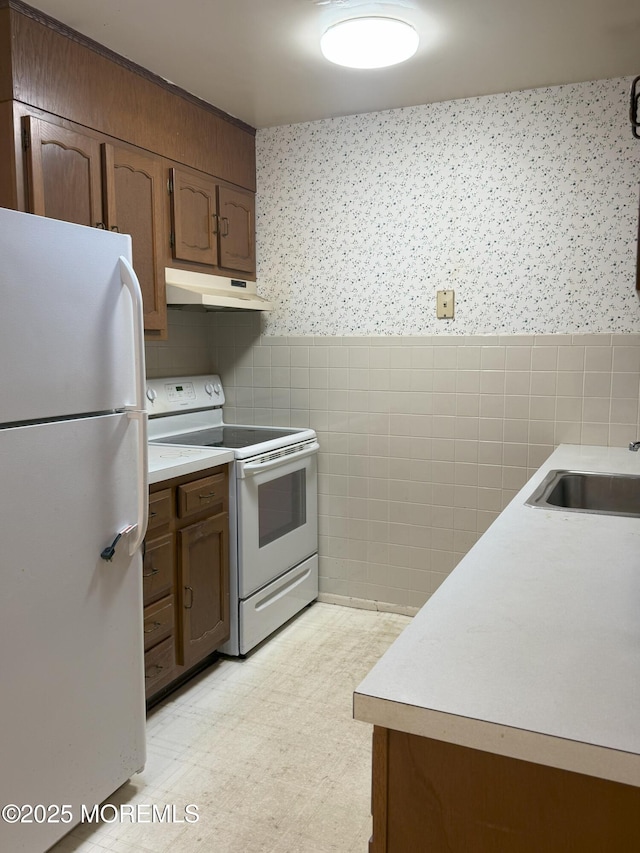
[634, 445]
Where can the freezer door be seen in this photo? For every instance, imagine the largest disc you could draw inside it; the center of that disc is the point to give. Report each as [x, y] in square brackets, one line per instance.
[66, 327]
[71, 649]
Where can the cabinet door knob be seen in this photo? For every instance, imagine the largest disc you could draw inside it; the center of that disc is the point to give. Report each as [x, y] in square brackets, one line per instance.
[154, 670]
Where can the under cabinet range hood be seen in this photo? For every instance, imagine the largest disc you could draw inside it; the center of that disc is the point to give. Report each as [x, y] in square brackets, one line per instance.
[192, 290]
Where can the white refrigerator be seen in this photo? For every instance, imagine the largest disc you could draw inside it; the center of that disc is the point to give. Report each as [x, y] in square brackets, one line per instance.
[73, 481]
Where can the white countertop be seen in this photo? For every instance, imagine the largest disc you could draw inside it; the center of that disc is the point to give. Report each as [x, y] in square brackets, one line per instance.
[531, 647]
[172, 460]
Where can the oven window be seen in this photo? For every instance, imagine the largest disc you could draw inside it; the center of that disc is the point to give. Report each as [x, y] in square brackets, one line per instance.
[282, 506]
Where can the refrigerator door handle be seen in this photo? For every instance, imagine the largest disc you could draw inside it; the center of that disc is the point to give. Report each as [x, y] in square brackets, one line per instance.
[109, 552]
[130, 281]
[137, 412]
[142, 484]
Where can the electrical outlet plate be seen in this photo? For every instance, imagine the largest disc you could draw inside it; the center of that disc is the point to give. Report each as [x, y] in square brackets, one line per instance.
[445, 302]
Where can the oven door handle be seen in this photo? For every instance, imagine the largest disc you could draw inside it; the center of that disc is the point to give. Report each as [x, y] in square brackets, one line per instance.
[250, 469]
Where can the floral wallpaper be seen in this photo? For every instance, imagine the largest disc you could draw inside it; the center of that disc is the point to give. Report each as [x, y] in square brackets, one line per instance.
[525, 204]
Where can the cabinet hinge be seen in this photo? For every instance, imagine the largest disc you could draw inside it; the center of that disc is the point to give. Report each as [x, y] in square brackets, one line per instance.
[26, 141]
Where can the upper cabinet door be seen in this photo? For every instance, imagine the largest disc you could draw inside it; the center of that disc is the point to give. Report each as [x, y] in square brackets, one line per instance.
[134, 204]
[64, 170]
[213, 224]
[237, 229]
[194, 216]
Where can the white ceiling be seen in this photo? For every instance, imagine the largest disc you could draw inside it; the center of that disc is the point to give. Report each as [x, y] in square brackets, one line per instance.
[260, 60]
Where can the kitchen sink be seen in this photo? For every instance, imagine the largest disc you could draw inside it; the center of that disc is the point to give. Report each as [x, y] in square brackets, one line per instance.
[586, 491]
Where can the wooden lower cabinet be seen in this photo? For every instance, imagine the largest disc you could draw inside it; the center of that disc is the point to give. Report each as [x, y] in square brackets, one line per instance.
[159, 666]
[438, 797]
[204, 607]
[185, 576]
[159, 621]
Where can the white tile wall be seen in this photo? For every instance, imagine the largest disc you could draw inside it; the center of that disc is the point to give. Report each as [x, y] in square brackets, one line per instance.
[186, 350]
[420, 455]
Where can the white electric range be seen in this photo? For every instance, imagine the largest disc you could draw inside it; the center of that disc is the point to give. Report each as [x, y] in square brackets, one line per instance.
[273, 503]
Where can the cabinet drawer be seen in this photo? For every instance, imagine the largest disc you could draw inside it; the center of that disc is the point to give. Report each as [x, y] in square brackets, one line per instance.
[157, 568]
[158, 622]
[158, 664]
[210, 493]
[159, 509]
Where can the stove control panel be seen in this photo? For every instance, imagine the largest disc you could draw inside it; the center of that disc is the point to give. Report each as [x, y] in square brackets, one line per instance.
[183, 394]
[180, 393]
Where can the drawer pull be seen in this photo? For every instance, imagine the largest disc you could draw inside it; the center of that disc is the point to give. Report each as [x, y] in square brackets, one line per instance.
[153, 627]
[152, 513]
[209, 495]
[158, 669]
[151, 573]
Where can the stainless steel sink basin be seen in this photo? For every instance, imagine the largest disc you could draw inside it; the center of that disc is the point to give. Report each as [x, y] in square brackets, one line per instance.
[585, 491]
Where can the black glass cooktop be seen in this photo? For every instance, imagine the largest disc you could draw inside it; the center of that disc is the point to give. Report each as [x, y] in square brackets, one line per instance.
[231, 437]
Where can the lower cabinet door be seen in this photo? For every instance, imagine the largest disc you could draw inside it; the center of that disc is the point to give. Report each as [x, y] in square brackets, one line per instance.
[203, 588]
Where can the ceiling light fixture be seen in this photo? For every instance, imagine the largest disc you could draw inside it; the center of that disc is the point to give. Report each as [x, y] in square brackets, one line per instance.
[372, 42]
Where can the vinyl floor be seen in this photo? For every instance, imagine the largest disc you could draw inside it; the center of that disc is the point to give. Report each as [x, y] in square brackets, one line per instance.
[263, 751]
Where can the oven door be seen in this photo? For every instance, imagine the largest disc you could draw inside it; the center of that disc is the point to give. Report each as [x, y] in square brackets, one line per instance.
[277, 515]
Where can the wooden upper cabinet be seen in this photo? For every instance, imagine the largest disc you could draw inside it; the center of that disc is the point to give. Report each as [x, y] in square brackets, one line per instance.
[57, 109]
[236, 209]
[134, 204]
[79, 179]
[50, 67]
[64, 173]
[213, 224]
[194, 217]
